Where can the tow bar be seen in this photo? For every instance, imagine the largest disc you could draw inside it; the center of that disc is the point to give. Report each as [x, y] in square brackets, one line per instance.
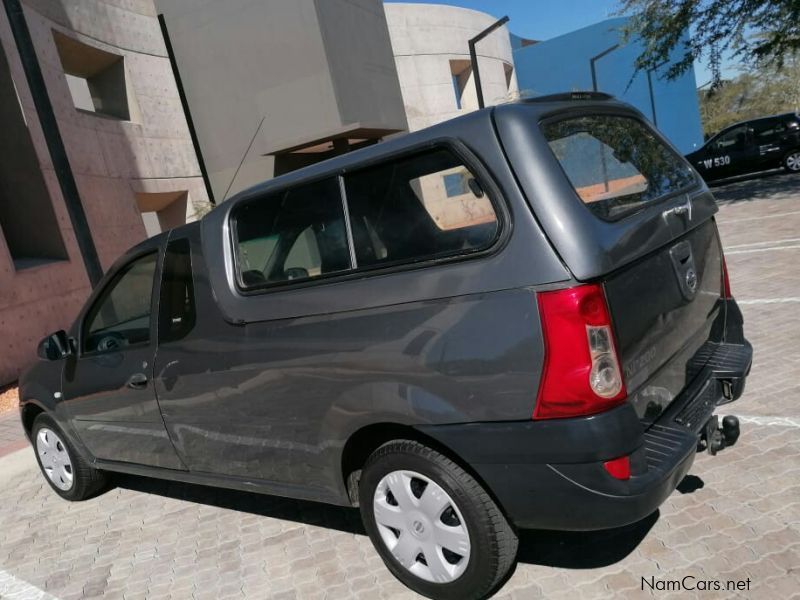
[715, 438]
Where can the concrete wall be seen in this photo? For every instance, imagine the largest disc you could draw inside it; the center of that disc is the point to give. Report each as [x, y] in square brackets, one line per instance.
[562, 64]
[308, 68]
[36, 300]
[428, 41]
[112, 160]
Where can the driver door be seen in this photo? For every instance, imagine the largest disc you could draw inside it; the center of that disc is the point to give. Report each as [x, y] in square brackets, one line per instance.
[107, 384]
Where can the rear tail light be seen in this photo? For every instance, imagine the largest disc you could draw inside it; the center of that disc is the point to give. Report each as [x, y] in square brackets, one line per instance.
[619, 468]
[581, 373]
[726, 281]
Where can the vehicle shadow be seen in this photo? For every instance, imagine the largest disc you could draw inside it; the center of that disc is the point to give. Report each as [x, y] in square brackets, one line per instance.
[756, 186]
[565, 549]
[582, 549]
[305, 512]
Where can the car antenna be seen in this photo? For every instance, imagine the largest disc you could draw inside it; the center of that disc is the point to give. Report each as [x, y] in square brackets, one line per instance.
[244, 156]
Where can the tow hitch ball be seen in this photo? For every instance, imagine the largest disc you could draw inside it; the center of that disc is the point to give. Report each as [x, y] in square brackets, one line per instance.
[715, 438]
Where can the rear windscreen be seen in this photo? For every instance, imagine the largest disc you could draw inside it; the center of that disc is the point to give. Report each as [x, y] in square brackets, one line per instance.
[616, 165]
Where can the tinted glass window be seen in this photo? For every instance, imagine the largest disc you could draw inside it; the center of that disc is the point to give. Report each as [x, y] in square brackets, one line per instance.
[733, 139]
[768, 129]
[615, 163]
[296, 234]
[176, 304]
[425, 206]
[121, 316]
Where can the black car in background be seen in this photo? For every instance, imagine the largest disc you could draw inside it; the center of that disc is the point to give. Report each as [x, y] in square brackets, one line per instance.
[755, 145]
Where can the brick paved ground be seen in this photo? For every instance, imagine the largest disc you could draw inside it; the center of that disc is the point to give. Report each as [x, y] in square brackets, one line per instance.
[736, 516]
[11, 434]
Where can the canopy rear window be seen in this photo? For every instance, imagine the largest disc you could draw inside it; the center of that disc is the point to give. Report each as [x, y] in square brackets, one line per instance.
[616, 165]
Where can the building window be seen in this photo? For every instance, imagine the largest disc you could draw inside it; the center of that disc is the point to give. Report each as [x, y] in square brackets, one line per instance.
[28, 221]
[509, 73]
[457, 90]
[463, 87]
[456, 184]
[96, 78]
[162, 210]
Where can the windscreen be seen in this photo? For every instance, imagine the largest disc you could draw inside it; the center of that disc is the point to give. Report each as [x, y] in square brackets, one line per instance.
[616, 165]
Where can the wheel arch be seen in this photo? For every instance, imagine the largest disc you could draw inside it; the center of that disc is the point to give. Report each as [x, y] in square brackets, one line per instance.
[364, 441]
[28, 412]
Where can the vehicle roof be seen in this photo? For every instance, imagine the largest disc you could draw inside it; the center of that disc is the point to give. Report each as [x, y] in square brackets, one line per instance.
[778, 116]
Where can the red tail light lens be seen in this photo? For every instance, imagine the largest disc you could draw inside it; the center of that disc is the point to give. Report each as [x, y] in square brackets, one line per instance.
[581, 374]
[726, 281]
[619, 468]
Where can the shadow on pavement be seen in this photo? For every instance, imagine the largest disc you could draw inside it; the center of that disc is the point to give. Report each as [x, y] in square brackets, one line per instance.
[582, 549]
[300, 511]
[690, 484]
[566, 549]
[755, 186]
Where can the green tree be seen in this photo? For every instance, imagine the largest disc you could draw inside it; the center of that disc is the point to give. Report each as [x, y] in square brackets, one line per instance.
[756, 92]
[754, 32]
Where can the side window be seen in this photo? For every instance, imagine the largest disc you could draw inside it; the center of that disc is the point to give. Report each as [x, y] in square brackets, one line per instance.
[422, 207]
[291, 235]
[177, 312]
[303, 259]
[768, 130]
[121, 315]
[733, 139]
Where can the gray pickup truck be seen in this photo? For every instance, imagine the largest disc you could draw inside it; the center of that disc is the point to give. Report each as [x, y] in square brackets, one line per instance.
[520, 318]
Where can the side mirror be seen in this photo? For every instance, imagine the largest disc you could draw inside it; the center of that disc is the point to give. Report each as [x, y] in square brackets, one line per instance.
[55, 346]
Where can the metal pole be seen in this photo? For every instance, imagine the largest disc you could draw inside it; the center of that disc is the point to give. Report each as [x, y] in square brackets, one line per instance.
[186, 111]
[473, 56]
[650, 89]
[652, 98]
[52, 137]
[594, 59]
[592, 62]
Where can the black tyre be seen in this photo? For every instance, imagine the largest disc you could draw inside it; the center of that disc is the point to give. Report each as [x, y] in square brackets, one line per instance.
[68, 474]
[791, 161]
[435, 527]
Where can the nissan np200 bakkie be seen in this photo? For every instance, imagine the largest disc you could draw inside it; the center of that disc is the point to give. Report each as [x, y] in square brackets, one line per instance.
[520, 318]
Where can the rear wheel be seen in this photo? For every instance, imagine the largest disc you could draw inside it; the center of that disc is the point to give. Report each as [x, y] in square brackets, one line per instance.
[68, 474]
[435, 527]
[792, 161]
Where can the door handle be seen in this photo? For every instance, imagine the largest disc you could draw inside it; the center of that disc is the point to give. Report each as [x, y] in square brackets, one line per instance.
[137, 381]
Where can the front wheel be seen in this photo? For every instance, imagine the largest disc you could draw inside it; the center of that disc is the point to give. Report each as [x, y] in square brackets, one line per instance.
[435, 527]
[68, 474]
[792, 161]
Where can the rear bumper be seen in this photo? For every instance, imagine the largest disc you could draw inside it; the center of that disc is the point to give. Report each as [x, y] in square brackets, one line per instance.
[550, 475]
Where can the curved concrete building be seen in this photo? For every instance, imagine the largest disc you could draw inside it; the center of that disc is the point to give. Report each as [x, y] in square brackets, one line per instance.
[431, 53]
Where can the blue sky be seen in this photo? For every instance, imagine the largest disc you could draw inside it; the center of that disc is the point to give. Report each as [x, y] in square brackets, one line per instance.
[544, 19]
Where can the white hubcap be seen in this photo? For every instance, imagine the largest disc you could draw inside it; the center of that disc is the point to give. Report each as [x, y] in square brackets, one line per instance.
[421, 526]
[54, 458]
[793, 161]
